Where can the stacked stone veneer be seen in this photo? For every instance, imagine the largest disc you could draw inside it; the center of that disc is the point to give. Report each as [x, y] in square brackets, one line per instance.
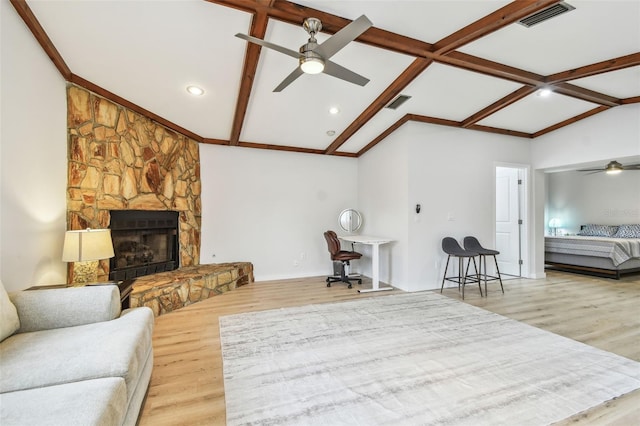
[168, 291]
[121, 160]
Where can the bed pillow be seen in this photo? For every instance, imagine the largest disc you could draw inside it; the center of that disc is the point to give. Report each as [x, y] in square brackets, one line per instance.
[598, 230]
[628, 231]
[9, 321]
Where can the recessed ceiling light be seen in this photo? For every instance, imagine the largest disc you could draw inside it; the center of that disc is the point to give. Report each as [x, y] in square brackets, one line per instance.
[544, 92]
[331, 132]
[334, 110]
[195, 90]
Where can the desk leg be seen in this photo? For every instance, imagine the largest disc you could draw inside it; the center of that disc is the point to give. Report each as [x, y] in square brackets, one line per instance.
[375, 272]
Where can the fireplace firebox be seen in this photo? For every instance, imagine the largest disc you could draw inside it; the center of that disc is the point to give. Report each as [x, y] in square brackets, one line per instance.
[144, 242]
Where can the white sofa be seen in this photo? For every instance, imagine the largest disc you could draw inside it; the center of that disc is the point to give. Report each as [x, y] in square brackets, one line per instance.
[74, 359]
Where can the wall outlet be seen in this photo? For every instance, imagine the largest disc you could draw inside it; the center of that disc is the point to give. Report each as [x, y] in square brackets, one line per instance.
[296, 263]
[303, 255]
[450, 217]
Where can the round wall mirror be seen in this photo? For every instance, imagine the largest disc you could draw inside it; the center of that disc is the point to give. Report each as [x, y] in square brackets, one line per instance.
[350, 220]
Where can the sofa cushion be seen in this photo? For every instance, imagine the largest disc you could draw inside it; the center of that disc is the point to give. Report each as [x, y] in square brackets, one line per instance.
[50, 308]
[9, 321]
[88, 402]
[117, 348]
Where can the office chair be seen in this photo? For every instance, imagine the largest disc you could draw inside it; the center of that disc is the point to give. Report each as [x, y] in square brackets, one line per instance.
[341, 256]
[453, 249]
[472, 243]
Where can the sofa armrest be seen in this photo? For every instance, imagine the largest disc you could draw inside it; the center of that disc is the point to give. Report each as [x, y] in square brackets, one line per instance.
[65, 307]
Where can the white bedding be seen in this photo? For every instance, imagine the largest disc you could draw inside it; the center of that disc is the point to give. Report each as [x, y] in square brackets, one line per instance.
[619, 250]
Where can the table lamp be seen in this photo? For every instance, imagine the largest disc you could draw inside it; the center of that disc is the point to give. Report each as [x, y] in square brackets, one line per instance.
[554, 224]
[85, 248]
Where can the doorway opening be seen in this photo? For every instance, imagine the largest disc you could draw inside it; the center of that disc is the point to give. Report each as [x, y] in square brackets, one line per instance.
[511, 222]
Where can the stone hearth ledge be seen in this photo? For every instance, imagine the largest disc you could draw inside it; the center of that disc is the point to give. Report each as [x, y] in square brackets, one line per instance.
[167, 291]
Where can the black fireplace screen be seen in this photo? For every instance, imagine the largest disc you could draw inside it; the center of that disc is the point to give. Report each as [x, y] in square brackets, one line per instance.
[144, 242]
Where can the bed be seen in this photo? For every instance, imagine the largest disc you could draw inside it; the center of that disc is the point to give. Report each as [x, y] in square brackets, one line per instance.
[606, 250]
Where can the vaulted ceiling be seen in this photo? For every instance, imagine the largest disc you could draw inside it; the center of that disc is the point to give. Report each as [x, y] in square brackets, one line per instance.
[466, 64]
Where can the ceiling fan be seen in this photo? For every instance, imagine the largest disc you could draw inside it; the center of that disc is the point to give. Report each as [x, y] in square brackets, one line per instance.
[613, 168]
[313, 57]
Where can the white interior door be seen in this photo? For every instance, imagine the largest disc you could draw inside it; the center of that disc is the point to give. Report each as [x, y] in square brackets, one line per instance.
[508, 220]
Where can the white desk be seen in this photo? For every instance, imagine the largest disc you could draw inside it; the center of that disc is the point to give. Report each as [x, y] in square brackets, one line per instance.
[375, 243]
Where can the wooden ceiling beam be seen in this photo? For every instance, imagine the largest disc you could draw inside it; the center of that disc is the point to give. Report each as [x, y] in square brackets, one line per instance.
[483, 66]
[502, 17]
[295, 14]
[293, 149]
[498, 105]
[213, 141]
[458, 124]
[273, 147]
[598, 68]
[499, 131]
[570, 121]
[633, 100]
[433, 120]
[384, 134]
[252, 55]
[585, 94]
[494, 69]
[403, 80]
[41, 36]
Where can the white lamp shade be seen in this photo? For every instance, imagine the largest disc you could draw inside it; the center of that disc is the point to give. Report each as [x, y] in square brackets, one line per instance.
[88, 244]
[554, 223]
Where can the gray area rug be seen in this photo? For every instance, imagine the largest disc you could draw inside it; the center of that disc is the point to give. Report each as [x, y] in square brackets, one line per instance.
[408, 359]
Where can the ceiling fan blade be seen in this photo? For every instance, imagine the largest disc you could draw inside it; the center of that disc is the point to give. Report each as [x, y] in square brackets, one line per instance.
[632, 167]
[264, 43]
[343, 37]
[591, 170]
[596, 171]
[290, 78]
[342, 73]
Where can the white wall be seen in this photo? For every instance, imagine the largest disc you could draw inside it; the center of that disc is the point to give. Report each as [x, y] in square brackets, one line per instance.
[577, 198]
[450, 172]
[383, 195]
[614, 133]
[33, 159]
[271, 208]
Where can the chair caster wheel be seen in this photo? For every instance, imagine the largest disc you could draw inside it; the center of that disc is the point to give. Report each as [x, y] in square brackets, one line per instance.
[349, 286]
[328, 284]
[328, 280]
[359, 281]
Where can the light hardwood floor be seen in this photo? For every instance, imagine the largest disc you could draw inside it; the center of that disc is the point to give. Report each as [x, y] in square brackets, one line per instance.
[187, 382]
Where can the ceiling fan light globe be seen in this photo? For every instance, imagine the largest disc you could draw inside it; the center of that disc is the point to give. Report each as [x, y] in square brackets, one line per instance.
[613, 171]
[312, 65]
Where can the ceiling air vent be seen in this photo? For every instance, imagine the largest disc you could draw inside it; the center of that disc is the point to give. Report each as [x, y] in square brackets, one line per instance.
[548, 13]
[395, 104]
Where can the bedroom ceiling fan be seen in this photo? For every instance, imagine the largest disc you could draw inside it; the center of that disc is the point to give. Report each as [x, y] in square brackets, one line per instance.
[613, 168]
[313, 57]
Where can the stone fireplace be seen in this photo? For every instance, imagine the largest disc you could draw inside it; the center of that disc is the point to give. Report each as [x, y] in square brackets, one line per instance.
[119, 160]
[129, 173]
